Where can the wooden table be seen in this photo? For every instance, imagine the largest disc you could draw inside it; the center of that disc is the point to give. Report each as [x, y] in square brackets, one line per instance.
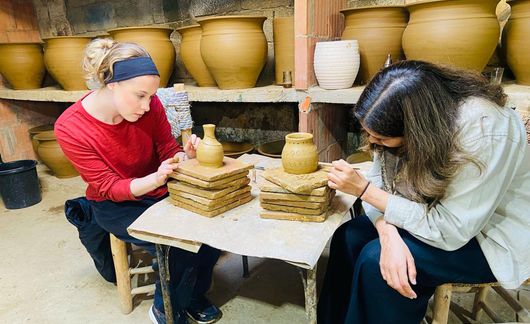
[167, 225]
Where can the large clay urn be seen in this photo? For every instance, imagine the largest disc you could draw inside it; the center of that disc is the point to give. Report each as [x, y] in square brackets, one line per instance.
[234, 49]
[22, 64]
[378, 31]
[190, 52]
[299, 155]
[63, 56]
[210, 152]
[155, 39]
[517, 40]
[283, 34]
[461, 33]
[52, 155]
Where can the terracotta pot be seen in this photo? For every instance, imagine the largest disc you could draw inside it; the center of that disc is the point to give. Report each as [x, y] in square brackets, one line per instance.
[22, 64]
[63, 57]
[37, 130]
[190, 52]
[299, 155]
[462, 33]
[378, 31]
[210, 152]
[53, 157]
[157, 43]
[283, 34]
[518, 40]
[234, 49]
[336, 64]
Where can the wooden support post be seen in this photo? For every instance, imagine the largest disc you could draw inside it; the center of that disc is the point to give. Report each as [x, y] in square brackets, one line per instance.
[123, 279]
[442, 301]
[309, 279]
[480, 298]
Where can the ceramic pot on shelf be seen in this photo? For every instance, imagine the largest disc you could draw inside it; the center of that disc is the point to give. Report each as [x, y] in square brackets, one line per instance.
[234, 49]
[336, 64]
[37, 130]
[517, 41]
[299, 155]
[283, 33]
[63, 56]
[155, 40]
[22, 64]
[379, 31]
[461, 33]
[190, 52]
[53, 157]
[210, 152]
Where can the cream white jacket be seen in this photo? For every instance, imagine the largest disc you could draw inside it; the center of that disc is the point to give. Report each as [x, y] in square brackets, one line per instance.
[493, 206]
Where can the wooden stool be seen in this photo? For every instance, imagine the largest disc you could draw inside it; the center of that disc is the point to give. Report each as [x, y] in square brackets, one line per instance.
[124, 273]
[442, 302]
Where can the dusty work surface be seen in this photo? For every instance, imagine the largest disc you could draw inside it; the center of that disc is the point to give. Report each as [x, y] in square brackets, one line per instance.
[47, 277]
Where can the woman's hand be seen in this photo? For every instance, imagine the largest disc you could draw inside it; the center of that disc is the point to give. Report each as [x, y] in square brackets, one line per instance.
[163, 172]
[191, 146]
[396, 262]
[346, 179]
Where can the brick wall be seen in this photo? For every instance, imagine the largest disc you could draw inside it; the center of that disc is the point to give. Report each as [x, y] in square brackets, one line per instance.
[18, 22]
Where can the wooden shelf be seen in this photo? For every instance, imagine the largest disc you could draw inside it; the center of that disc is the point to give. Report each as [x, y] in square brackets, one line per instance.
[519, 95]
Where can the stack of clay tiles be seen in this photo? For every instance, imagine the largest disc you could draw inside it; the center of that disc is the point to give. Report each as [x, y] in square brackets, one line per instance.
[302, 197]
[210, 191]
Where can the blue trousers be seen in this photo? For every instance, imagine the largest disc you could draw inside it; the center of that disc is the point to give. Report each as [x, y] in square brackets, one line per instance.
[355, 292]
[190, 273]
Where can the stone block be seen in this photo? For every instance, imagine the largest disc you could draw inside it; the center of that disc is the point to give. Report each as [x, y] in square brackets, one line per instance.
[374, 3]
[263, 4]
[94, 17]
[213, 7]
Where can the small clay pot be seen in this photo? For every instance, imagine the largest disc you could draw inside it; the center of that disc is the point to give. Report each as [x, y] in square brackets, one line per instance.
[299, 155]
[210, 152]
[52, 155]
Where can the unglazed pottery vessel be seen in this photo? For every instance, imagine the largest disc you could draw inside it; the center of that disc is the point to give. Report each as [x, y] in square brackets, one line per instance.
[336, 63]
[52, 155]
[283, 34]
[155, 40]
[190, 52]
[210, 152]
[299, 155]
[234, 49]
[22, 64]
[379, 31]
[37, 130]
[63, 56]
[517, 40]
[462, 33]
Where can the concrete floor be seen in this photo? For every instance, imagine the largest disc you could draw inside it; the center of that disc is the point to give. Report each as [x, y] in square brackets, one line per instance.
[46, 276]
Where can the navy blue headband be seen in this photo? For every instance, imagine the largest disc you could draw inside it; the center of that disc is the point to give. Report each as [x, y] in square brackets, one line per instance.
[132, 68]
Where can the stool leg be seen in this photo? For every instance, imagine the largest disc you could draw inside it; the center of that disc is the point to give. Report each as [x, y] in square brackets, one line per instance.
[442, 301]
[123, 280]
[244, 258]
[480, 298]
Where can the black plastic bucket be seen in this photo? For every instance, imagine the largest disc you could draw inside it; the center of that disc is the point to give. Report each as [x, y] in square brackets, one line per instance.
[19, 184]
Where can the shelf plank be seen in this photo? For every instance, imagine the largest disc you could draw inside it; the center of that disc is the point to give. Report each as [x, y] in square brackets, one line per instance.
[519, 95]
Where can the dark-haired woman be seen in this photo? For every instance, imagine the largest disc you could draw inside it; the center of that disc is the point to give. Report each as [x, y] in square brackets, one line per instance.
[447, 199]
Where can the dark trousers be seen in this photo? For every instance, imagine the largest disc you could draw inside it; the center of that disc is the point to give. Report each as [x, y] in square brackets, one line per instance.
[190, 273]
[355, 292]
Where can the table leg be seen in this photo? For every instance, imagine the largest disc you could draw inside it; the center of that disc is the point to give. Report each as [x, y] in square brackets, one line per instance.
[163, 273]
[309, 279]
[244, 259]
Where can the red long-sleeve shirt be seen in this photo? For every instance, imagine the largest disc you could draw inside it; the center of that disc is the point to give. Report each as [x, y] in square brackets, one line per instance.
[109, 157]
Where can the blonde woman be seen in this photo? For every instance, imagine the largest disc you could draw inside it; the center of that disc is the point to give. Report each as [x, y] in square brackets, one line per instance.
[447, 199]
[119, 140]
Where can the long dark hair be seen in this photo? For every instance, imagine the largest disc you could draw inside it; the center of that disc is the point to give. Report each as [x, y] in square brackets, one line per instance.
[420, 102]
